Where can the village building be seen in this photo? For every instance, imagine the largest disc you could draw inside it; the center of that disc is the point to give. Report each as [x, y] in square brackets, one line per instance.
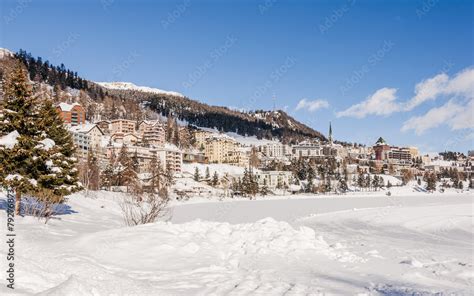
[307, 149]
[220, 149]
[200, 137]
[72, 114]
[152, 132]
[274, 179]
[86, 137]
[125, 138]
[393, 154]
[274, 150]
[124, 126]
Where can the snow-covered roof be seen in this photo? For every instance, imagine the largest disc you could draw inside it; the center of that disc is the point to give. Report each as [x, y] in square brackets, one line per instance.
[221, 137]
[84, 128]
[251, 141]
[209, 130]
[67, 107]
[171, 147]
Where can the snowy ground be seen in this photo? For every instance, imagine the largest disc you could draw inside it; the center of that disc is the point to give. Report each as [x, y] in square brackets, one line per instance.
[368, 244]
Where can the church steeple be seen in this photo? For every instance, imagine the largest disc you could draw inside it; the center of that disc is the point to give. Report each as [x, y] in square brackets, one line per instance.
[330, 133]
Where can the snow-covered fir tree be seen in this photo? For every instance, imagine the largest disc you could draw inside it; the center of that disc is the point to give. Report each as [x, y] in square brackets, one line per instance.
[36, 151]
[62, 178]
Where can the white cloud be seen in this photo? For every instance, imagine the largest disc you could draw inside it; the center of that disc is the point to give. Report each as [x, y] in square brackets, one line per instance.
[465, 118]
[462, 84]
[455, 115]
[312, 105]
[428, 89]
[382, 102]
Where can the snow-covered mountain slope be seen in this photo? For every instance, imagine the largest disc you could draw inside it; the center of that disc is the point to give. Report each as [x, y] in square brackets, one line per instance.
[131, 86]
[5, 53]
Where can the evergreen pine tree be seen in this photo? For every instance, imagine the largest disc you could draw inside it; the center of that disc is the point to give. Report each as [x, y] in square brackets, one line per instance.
[108, 175]
[176, 139]
[215, 179]
[62, 176]
[343, 185]
[430, 181]
[157, 175]
[361, 180]
[22, 159]
[197, 176]
[208, 175]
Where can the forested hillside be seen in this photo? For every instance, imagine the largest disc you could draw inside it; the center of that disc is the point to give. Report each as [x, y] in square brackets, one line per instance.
[109, 103]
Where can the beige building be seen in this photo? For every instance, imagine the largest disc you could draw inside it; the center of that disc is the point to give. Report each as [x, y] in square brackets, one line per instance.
[152, 132]
[169, 156]
[220, 149]
[201, 135]
[125, 138]
[240, 157]
[122, 126]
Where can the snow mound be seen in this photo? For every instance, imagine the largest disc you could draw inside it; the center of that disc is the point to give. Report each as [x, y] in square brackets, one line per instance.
[412, 262]
[131, 86]
[10, 140]
[202, 243]
[66, 288]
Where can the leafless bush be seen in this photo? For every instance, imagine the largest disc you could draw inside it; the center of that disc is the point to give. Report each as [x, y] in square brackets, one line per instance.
[144, 208]
[44, 205]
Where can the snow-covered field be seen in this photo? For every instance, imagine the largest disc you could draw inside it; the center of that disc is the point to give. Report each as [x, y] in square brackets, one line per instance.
[411, 243]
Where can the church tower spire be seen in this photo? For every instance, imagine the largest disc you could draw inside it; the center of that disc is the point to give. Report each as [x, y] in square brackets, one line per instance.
[330, 133]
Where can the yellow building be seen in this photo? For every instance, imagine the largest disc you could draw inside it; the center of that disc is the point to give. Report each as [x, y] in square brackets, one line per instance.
[220, 149]
[200, 136]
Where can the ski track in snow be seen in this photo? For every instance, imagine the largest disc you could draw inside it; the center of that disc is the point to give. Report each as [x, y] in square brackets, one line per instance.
[407, 245]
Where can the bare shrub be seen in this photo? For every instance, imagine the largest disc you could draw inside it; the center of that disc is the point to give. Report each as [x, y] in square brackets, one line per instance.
[143, 208]
[44, 205]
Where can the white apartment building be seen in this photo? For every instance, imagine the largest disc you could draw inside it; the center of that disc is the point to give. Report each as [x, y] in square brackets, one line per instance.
[274, 150]
[86, 137]
[307, 149]
[171, 157]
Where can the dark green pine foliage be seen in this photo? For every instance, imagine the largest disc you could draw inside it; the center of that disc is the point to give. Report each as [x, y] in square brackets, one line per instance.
[62, 177]
[215, 179]
[21, 163]
[197, 175]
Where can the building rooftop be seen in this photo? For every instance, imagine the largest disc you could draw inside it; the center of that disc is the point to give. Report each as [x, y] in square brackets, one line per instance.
[67, 107]
[381, 141]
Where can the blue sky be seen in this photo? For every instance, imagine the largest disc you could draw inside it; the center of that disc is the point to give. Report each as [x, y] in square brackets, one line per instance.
[356, 63]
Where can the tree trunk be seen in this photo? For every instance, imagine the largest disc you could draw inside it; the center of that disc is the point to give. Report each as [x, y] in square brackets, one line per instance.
[17, 202]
